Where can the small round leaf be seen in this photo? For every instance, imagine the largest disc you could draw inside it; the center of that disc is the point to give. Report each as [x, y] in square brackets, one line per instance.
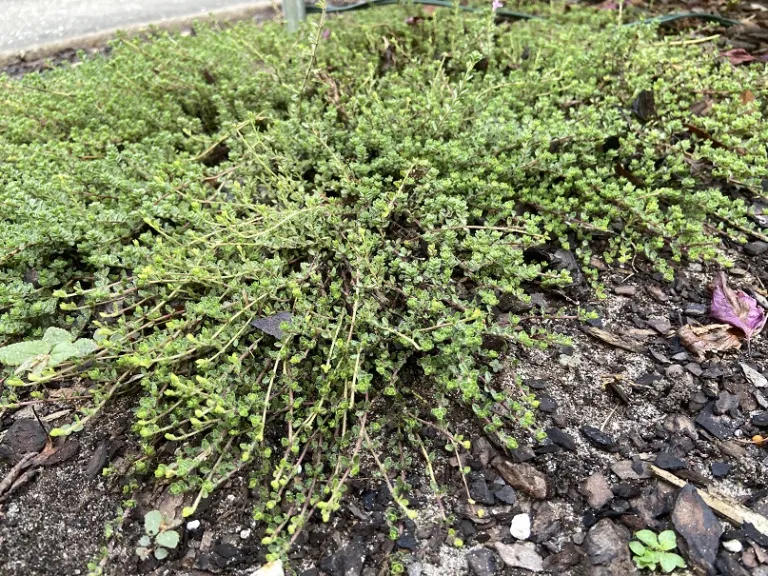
[152, 521]
[169, 539]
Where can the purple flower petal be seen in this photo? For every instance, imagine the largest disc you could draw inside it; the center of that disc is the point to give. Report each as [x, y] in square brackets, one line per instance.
[736, 308]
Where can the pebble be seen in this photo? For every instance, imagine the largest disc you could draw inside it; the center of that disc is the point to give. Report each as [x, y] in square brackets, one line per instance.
[709, 422]
[680, 356]
[547, 404]
[561, 438]
[733, 546]
[546, 522]
[760, 419]
[193, 525]
[625, 290]
[607, 546]
[521, 527]
[479, 492]
[597, 490]
[674, 372]
[274, 568]
[694, 368]
[625, 469]
[245, 533]
[695, 522]
[726, 402]
[755, 248]
[482, 562]
[506, 494]
[523, 477]
[600, 439]
[696, 309]
[661, 325]
[520, 555]
[667, 461]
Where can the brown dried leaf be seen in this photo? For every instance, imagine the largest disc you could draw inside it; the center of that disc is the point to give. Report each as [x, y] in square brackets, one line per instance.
[747, 97]
[613, 340]
[702, 107]
[711, 338]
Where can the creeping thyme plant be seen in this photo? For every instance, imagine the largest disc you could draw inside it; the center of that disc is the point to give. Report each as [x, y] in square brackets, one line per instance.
[380, 187]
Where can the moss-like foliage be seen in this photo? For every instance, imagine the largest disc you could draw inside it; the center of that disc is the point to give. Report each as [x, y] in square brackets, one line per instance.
[379, 186]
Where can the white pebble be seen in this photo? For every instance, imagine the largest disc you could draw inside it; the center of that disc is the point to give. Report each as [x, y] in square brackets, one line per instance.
[732, 545]
[244, 534]
[272, 569]
[193, 525]
[521, 527]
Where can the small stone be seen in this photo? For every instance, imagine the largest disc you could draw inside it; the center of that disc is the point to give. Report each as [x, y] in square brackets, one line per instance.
[695, 522]
[760, 420]
[725, 403]
[546, 522]
[657, 293]
[755, 248]
[707, 420]
[536, 383]
[625, 290]
[245, 533]
[506, 494]
[479, 492]
[561, 438]
[733, 546]
[626, 490]
[667, 461]
[274, 568]
[597, 490]
[720, 469]
[521, 527]
[696, 309]
[625, 469]
[347, 561]
[520, 555]
[415, 569]
[694, 368]
[547, 404]
[523, 477]
[661, 325]
[600, 439]
[482, 562]
[407, 540]
[523, 453]
[567, 558]
[680, 356]
[674, 372]
[606, 546]
[648, 379]
[193, 525]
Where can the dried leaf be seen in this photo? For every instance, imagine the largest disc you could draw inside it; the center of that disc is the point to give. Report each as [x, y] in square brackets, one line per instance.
[702, 107]
[614, 340]
[644, 105]
[271, 324]
[747, 97]
[738, 56]
[712, 338]
[736, 308]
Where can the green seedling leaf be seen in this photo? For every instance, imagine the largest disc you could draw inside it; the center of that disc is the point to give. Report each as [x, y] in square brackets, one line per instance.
[667, 540]
[152, 521]
[68, 429]
[161, 553]
[670, 561]
[187, 511]
[34, 364]
[62, 352]
[169, 539]
[648, 538]
[17, 354]
[145, 541]
[143, 552]
[637, 548]
[57, 336]
[85, 346]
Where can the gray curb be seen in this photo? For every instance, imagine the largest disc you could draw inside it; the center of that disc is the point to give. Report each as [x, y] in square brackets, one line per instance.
[262, 8]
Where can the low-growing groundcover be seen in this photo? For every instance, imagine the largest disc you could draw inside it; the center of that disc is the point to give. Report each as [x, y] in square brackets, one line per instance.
[297, 252]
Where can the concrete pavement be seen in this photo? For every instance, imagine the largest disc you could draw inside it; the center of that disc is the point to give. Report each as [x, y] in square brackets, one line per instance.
[29, 26]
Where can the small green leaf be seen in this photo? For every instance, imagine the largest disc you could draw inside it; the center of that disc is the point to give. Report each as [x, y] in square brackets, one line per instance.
[55, 336]
[152, 521]
[143, 552]
[648, 538]
[670, 561]
[637, 548]
[169, 539]
[17, 354]
[187, 511]
[85, 346]
[145, 541]
[161, 553]
[62, 352]
[667, 540]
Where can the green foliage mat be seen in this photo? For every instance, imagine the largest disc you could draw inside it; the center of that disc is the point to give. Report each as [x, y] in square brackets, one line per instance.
[377, 182]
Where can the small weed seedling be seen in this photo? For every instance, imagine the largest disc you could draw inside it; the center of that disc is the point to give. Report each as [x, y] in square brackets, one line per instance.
[164, 540]
[652, 550]
[34, 356]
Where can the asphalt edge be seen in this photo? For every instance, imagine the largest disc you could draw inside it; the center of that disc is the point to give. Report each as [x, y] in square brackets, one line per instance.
[261, 8]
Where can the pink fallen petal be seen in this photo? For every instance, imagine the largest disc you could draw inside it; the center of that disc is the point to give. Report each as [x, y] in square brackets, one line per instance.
[736, 308]
[738, 56]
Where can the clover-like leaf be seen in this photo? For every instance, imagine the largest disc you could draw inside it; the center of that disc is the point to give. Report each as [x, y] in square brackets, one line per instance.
[85, 346]
[637, 548]
[57, 336]
[145, 541]
[670, 561]
[152, 521]
[161, 553]
[62, 352]
[648, 537]
[17, 354]
[169, 539]
[667, 540]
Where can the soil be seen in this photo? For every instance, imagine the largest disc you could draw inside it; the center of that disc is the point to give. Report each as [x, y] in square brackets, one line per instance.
[609, 412]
